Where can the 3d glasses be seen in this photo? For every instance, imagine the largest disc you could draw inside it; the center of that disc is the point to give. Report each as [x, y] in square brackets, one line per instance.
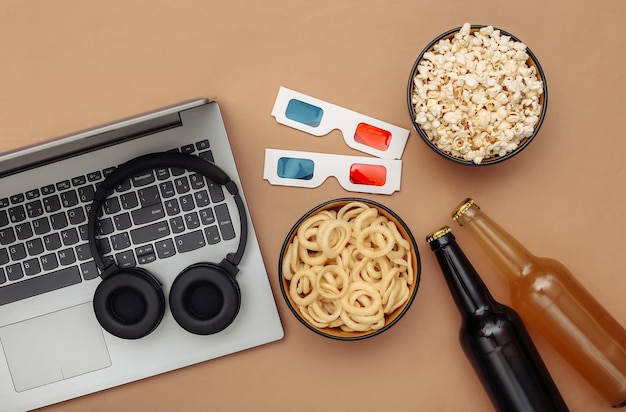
[354, 173]
[319, 118]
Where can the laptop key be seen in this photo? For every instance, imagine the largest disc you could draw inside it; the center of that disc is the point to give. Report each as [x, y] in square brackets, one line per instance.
[172, 207]
[70, 236]
[17, 251]
[94, 176]
[85, 193]
[217, 194]
[129, 200]
[4, 257]
[149, 196]
[39, 284]
[212, 235]
[149, 233]
[34, 208]
[186, 203]
[122, 221]
[79, 180]
[14, 272]
[177, 224]
[24, 231]
[202, 144]
[126, 259]
[224, 222]
[66, 256]
[17, 213]
[18, 198]
[32, 194]
[4, 218]
[41, 226]
[148, 214]
[51, 203]
[189, 241]
[34, 247]
[165, 248]
[59, 221]
[167, 189]
[105, 226]
[188, 148]
[7, 236]
[49, 262]
[112, 205]
[52, 241]
[182, 185]
[69, 198]
[208, 155]
[64, 185]
[143, 179]
[32, 267]
[89, 270]
[48, 189]
[76, 216]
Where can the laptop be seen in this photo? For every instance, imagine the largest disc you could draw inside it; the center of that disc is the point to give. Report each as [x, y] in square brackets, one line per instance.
[51, 346]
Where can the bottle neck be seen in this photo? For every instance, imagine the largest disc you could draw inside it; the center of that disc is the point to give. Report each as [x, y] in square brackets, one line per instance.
[469, 292]
[510, 257]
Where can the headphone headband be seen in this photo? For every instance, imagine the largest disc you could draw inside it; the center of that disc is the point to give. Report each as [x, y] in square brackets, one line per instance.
[155, 161]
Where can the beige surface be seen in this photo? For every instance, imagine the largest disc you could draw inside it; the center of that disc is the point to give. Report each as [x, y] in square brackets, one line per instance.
[70, 65]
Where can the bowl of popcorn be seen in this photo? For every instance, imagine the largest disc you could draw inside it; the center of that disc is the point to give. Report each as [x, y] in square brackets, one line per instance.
[349, 269]
[477, 95]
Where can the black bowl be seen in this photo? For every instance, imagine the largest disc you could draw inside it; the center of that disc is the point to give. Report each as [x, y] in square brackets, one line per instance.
[543, 101]
[390, 319]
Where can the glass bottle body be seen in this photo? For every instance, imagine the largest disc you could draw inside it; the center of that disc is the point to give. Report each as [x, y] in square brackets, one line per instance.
[507, 363]
[555, 305]
[494, 339]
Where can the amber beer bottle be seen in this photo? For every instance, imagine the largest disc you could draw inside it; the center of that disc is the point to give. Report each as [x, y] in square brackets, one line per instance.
[494, 337]
[555, 305]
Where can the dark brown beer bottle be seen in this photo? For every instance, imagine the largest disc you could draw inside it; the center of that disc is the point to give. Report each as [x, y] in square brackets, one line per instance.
[555, 305]
[494, 337]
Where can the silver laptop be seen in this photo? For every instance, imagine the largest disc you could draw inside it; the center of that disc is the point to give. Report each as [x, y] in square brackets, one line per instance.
[51, 346]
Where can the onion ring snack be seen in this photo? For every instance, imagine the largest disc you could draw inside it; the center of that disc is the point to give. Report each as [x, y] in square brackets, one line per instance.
[349, 269]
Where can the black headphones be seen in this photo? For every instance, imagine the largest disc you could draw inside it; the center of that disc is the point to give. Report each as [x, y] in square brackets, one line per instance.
[205, 297]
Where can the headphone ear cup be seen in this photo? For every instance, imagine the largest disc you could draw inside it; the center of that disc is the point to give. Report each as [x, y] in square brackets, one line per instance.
[204, 299]
[129, 303]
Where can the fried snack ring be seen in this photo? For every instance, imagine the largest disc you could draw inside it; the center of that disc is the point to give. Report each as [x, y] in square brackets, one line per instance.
[332, 282]
[335, 236]
[362, 299]
[309, 227]
[300, 287]
[381, 241]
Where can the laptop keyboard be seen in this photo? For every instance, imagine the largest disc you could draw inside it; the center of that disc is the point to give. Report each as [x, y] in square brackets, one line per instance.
[155, 215]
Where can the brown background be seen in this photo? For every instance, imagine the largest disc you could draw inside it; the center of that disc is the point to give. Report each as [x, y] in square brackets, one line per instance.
[70, 65]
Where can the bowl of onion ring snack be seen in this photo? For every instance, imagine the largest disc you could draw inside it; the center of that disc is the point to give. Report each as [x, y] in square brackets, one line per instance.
[349, 269]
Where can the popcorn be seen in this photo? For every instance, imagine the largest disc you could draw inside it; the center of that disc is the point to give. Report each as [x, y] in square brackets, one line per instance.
[475, 96]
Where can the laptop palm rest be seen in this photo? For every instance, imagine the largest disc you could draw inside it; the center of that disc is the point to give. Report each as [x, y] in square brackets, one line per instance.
[54, 347]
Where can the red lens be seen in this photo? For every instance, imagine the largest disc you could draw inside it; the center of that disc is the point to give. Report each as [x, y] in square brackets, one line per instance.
[372, 136]
[370, 175]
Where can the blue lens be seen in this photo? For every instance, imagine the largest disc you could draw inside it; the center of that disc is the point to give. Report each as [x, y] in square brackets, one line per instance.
[294, 168]
[304, 113]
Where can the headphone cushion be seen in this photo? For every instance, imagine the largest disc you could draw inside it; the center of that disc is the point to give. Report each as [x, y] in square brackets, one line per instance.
[129, 303]
[204, 299]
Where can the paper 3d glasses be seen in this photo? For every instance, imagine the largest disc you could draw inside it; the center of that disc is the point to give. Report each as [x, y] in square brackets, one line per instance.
[354, 173]
[317, 117]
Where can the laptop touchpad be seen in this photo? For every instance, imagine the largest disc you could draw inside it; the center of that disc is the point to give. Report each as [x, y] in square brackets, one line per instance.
[54, 347]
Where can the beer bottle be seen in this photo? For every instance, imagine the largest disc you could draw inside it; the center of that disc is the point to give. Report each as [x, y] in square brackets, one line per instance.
[555, 305]
[494, 337]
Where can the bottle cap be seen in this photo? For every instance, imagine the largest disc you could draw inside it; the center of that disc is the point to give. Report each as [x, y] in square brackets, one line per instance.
[438, 233]
[462, 208]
